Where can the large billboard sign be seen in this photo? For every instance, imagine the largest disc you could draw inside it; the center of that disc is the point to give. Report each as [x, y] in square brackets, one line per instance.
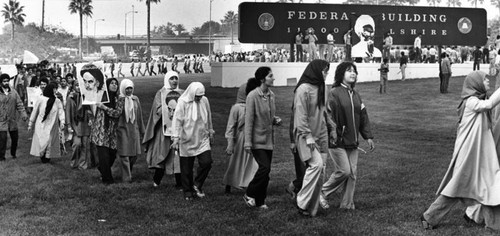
[279, 23]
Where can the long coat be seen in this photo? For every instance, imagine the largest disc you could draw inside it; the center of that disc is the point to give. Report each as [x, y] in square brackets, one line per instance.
[474, 171]
[242, 166]
[46, 133]
[128, 134]
[156, 143]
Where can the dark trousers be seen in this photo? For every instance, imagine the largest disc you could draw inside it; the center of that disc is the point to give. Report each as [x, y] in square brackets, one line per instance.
[300, 171]
[300, 53]
[151, 71]
[445, 79]
[159, 173]
[433, 59]
[418, 55]
[348, 48]
[14, 136]
[464, 58]
[258, 186]
[187, 164]
[106, 159]
[132, 72]
[476, 64]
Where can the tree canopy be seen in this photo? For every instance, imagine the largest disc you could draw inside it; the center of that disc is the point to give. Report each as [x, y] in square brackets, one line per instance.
[13, 13]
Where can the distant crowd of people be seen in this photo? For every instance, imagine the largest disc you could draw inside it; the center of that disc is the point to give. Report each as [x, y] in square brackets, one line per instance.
[153, 67]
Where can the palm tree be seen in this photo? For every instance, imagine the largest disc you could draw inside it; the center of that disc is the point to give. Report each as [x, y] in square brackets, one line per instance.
[148, 4]
[83, 8]
[434, 2]
[230, 19]
[179, 28]
[475, 2]
[13, 13]
[454, 3]
[43, 13]
[496, 3]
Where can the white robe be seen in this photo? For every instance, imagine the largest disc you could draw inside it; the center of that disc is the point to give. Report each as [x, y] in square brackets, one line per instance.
[46, 133]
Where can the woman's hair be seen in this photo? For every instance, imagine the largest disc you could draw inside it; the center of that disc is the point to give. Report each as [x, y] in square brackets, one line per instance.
[252, 83]
[340, 73]
[49, 92]
[261, 73]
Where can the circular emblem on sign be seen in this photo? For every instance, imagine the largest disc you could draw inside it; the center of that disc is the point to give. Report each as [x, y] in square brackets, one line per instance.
[464, 25]
[266, 21]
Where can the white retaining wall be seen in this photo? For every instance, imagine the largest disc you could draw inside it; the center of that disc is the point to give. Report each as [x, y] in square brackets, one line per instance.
[233, 74]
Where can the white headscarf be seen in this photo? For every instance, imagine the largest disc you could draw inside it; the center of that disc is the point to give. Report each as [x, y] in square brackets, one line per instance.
[362, 21]
[129, 103]
[166, 80]
[195, 89]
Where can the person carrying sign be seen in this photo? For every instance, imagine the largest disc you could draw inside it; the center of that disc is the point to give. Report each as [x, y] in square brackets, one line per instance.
[157, 138]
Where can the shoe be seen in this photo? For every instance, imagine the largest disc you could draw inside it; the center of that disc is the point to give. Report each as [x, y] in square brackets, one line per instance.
[14, 157]
[155, 185]
[323, 202]
[467, 219]
[228, 189]
[199, 192]
[426, 225]
[303, 212]
[2, 159]
[249, 200]
[263, 207]
[178, 187]
[290, 190]
[188, 198]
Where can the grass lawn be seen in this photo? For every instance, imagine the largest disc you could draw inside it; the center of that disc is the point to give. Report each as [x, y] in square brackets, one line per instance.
[414, 127]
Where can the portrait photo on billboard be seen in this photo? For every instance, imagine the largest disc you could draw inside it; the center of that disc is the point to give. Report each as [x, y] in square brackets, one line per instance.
[92, 84]
[364, 28]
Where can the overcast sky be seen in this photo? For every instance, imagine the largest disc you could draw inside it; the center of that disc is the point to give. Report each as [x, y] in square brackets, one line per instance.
[190, 13]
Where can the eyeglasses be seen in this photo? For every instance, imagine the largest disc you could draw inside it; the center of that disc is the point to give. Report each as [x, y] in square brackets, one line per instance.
[174, 78]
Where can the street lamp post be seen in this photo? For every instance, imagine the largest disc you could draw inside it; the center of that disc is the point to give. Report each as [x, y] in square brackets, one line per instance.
[210, 34]
[133, 24]
[95, 25]
[125, 35]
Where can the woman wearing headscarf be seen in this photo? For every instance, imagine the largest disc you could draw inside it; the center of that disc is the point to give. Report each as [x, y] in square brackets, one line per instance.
[47, 117]
[259, 135]
[473, 176]
[311, 133]
[157, 139]
[192, 136]
[77, 120]
[347, 111]
[130, 128]
[103, 132]
[241, 167]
